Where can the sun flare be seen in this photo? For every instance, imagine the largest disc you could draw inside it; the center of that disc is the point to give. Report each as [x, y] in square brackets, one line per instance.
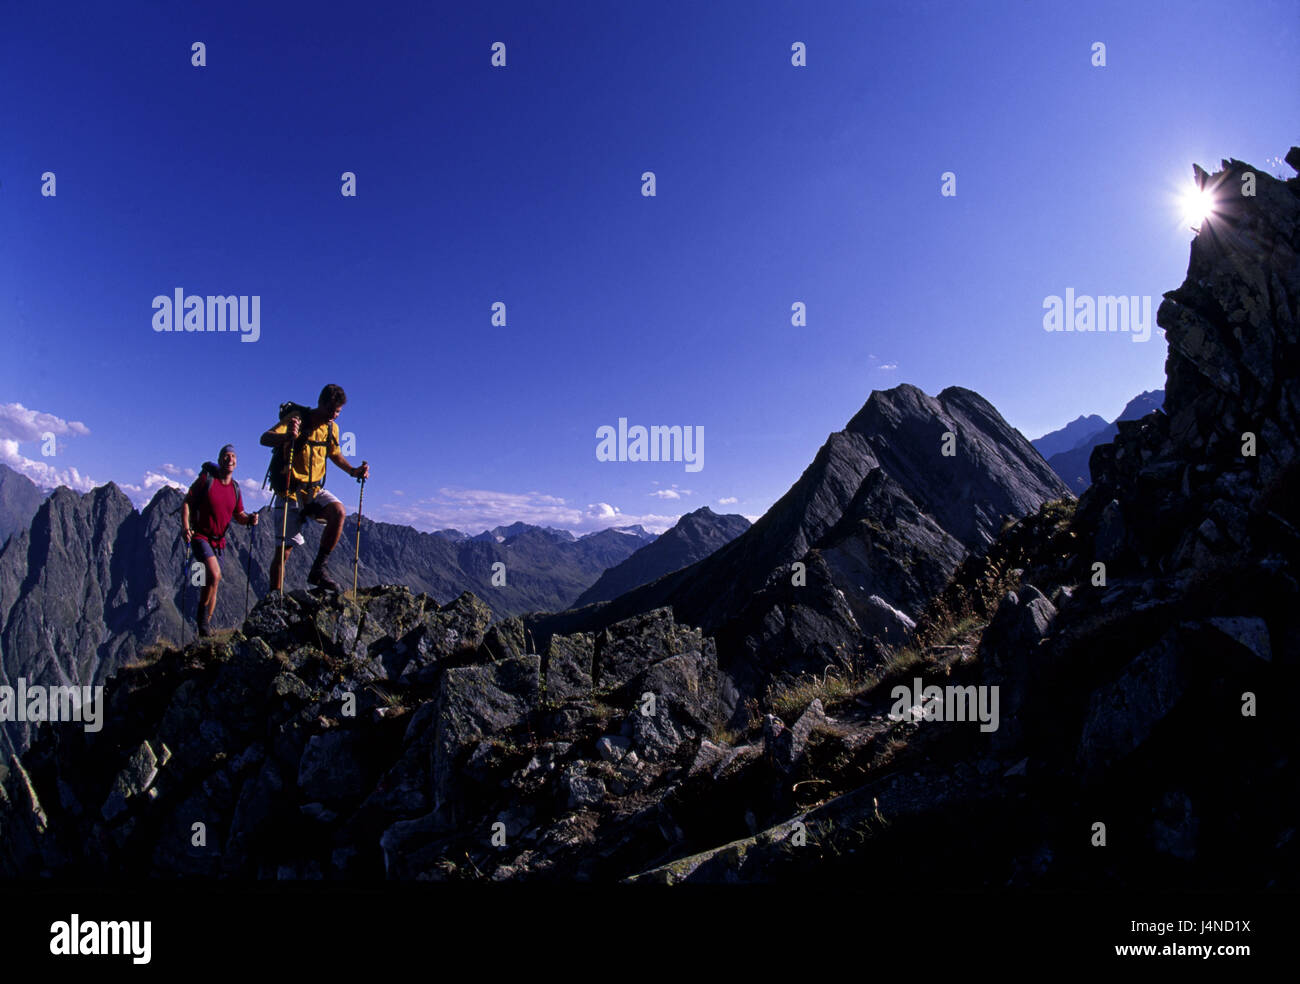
[1198, 205]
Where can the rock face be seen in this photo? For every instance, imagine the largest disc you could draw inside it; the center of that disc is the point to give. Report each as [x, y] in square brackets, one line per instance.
[1175, 593]
[19, 500]
[81, 590]
[1072, 463]
[696, 536]
[876, 524]
[91, 582]
[1207, 476]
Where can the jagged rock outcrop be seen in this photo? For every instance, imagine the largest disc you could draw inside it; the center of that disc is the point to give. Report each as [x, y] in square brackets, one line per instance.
[303, 746]
[1205, 477]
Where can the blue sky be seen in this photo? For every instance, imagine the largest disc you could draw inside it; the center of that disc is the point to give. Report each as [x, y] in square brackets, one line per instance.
[522, 185]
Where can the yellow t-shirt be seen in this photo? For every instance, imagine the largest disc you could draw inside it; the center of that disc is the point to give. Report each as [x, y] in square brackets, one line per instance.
[309, 459]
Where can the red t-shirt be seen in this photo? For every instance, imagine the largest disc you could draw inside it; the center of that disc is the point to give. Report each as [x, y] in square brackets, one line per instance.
[214, 509]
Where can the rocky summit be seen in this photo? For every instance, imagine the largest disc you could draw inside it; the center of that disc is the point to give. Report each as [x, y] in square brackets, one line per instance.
[837, 571]
[389, 736]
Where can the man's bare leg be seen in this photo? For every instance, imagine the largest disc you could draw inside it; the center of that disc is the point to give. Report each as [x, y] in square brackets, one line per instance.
[334, 515]
[277, 572]
[210, 589]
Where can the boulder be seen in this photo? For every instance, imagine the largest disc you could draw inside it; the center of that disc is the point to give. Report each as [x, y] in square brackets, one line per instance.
[475, 702]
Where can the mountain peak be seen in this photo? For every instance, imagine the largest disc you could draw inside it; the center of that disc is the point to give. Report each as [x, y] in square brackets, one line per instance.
[692, 538]
[879, 519]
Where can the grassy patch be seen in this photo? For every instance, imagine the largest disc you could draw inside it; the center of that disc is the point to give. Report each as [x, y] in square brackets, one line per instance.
[727, 736]
[605, 711]
[155, 649]
[788, 700]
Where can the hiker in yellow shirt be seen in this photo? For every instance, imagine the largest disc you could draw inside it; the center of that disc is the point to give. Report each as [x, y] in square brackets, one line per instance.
[303, 440]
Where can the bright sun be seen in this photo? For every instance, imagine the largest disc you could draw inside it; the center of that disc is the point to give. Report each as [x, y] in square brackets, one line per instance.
[1198, 205]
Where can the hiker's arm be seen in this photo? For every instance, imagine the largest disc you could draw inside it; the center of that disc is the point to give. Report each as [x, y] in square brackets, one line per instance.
[186, 532]
[362, 469]
[281, 433]
[246, 519]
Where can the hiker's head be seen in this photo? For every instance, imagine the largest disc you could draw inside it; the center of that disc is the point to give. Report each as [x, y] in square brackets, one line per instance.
[227, 459]
[331, 401]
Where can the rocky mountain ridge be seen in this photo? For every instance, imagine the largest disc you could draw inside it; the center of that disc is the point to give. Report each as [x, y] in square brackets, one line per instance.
[1077, 430]
[888, 508]
[91, 582]
[692, 538]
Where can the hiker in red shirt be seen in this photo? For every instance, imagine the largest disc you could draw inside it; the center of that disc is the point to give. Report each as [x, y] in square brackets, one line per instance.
[212, 502]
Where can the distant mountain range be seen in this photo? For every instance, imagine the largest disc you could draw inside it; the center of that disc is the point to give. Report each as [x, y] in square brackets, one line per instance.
[1071, 462]
[872, 530]
[1072, 434]
[87, 582]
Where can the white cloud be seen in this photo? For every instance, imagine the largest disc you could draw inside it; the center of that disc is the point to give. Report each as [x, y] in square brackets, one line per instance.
[142, 492]
[888, 365]
[42, 473]
[602, 510]
[17, 423]
[474, 510]
[152, 480]
[20, 425]
[728, 500]
[676, 492]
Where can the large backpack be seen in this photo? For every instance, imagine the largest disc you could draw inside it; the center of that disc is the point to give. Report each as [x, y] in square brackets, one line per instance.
[277, 472]
[208, 474]
[211, 470]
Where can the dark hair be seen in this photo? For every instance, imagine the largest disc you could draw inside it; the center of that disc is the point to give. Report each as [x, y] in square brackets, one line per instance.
[332, 396]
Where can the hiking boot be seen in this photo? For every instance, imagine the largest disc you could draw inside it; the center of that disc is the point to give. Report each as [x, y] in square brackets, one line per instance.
[320, 579]
[204, 631]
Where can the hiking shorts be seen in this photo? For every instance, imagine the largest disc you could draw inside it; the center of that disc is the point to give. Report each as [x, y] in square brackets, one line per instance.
[202, 549]
[306, 507]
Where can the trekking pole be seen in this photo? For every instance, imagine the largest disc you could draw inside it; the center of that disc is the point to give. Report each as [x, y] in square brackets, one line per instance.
[284, 523]
[248, 568]
[356, 556]
[284, 533]
[185, 582]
